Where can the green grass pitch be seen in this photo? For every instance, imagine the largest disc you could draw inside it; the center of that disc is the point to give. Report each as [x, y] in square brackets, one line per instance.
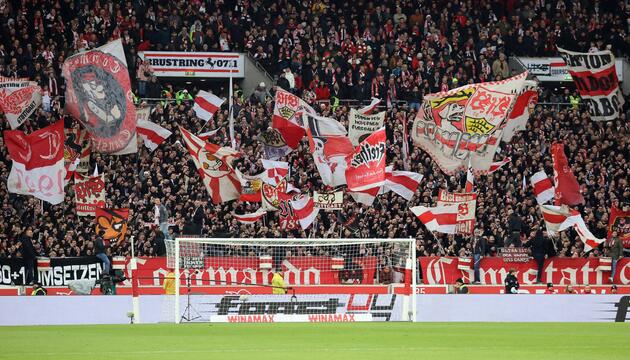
[446, 341]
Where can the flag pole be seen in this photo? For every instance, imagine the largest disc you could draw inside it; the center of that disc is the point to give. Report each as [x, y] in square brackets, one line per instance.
[231, 113]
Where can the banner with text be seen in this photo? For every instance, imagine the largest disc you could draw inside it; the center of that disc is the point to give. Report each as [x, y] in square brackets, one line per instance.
[362, 125]
[195, 64]
[466, 208]
[595, 77]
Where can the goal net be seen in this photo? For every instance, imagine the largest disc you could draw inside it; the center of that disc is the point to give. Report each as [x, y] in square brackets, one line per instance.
[292, 280]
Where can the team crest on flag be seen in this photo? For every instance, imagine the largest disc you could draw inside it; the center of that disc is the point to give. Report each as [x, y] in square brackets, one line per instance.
[465, 123]
[98, 93]
[111, 224]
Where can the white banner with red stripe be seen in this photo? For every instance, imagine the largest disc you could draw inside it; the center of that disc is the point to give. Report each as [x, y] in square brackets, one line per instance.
[207, 104]
[195, 64]
[543, 188]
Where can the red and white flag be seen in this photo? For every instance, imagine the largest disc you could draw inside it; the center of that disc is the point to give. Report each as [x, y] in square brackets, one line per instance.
[517, 121]
[365, 197]
[329, 146]
[497, 165]
[152, 134]
[567, 191]
[251, 186]
[206, 135]
[543, 188]
[214, 164]
[206, 104]
[250, 218]
[304, 209]
[470, 179]
[19, 98]
[559, 218]
[589, 240]
[287, 117]
[440, 218]
[403, 183]
[366, 166]
[367, 110]
[275, 171]
[38, 166]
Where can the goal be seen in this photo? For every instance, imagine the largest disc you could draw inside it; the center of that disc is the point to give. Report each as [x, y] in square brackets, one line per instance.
[293, 280]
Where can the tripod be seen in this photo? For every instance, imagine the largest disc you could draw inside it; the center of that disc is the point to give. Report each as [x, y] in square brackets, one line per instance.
[190, 313]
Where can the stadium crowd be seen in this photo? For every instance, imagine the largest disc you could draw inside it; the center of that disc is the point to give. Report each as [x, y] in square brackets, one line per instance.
[323, 51]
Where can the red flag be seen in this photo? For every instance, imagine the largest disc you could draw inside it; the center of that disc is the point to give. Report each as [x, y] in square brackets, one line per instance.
[111, 224]
[567, 187]
[214, 164]
[619, 221]
[38, 164]
[366, 166]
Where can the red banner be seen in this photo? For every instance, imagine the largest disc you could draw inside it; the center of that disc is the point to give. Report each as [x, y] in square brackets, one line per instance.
[493, 270]
[306, 270]
[366, 166]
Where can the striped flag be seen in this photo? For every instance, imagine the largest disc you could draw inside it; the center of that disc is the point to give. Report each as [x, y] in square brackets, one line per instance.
[365, 197]
[152, 134]
[206, 104]
[559, 218]
[305, 210]
[543, 188]
[367, 110]
[250, 218]
[440, 218]
[403, 183]
[499, 164]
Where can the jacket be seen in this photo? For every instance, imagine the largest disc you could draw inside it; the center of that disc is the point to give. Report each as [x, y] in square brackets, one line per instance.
[279, 287]
[28, 250]
[616, 248]
[511, 284]
[169, 283]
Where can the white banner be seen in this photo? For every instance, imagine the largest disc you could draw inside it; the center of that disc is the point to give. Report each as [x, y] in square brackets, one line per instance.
[554, 69]
[195, 64]
[328, 201]
[523, 308]
[361, 126]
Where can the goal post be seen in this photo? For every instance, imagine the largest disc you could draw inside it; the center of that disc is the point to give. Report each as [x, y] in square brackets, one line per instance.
[293, 280]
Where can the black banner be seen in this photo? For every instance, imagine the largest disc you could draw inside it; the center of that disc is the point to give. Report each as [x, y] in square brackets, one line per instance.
[62, 270]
